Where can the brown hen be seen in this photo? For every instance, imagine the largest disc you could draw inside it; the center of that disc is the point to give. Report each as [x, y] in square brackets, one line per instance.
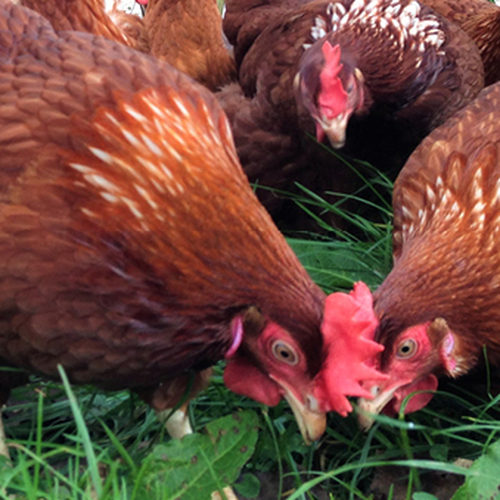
[132, 249]
[188, 35]
[440, 305]
[480, 19]
[374, 76]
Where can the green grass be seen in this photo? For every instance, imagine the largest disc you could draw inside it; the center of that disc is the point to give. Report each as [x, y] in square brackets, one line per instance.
[81, 443]
[65, 451]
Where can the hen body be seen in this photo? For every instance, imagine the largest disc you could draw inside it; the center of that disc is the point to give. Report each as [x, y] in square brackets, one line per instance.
[480, 19]
[132, 248]
[188, 35]
[440, 304]
[405, 70]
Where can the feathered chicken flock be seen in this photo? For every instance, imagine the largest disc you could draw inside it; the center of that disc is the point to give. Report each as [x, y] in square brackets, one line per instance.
[134, 251]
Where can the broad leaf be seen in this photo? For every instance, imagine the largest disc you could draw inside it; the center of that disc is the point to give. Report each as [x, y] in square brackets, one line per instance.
[483, 480]
[199, 464]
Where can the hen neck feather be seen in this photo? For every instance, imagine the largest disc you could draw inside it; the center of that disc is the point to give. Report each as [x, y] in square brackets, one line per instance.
[161, 179]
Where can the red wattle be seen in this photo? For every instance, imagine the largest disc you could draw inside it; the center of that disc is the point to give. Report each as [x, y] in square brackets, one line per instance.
[241, 377]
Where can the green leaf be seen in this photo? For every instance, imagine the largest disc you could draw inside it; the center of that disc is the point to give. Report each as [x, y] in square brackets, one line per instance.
[423, 496]
[483, 479]
[249, 486]
[199, 464]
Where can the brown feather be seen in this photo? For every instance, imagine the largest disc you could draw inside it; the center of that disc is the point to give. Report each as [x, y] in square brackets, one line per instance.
[90, 16]
[480, 19]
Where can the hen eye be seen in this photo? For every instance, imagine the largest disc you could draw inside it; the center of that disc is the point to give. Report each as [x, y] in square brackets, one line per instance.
[406, 349]
[284, 352]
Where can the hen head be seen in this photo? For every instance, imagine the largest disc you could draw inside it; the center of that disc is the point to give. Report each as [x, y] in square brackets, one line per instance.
[273, 365]
[418, 354]
[331, 90]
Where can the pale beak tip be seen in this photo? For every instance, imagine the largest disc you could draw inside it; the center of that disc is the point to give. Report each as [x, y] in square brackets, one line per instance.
[337, 143]
[312, 423]
[365, 419]
[312, 427]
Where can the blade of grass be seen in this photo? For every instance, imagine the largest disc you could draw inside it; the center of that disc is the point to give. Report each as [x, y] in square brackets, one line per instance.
[270, 425]
[84, 434]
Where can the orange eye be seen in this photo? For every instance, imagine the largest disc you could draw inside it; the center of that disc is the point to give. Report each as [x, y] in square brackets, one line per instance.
[284, 352]
[406, 349]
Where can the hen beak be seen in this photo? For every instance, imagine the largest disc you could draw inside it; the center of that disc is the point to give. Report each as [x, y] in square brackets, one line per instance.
[335, 129]
[419, 392]
[311, 422]
[368, 409]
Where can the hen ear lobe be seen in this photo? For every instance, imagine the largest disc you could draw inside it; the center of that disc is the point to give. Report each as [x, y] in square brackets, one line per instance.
[437, 331]
[441, 336]
[447, 355]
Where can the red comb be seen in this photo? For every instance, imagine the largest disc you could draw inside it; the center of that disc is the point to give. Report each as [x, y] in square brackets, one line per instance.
[332, 97]
[348, 329]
